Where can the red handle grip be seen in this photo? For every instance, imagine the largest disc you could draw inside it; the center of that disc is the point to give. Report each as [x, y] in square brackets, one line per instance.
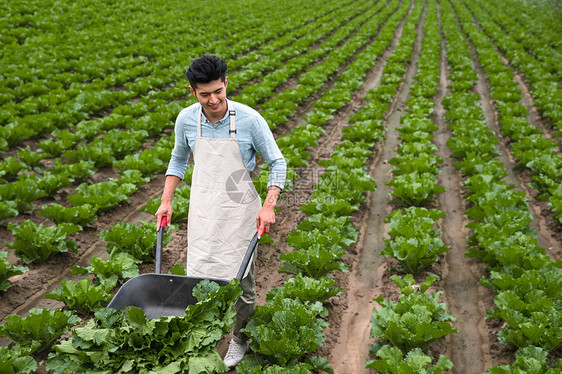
[163, 221]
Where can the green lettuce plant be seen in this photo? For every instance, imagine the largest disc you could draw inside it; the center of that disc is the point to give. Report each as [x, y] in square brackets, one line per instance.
[416, 320]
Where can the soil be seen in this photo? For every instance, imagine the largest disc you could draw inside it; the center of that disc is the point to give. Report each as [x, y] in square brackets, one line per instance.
[473, 350]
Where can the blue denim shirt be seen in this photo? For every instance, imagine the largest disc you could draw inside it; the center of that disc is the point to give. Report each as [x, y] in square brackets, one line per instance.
[252, 133]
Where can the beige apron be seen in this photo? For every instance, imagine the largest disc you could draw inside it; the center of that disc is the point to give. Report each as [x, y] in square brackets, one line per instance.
[223, 207]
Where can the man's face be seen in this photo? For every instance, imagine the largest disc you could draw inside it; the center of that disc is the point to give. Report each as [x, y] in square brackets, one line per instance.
[212, 96]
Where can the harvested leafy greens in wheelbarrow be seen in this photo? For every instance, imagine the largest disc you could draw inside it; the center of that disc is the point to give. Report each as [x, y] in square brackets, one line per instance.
[126, 341]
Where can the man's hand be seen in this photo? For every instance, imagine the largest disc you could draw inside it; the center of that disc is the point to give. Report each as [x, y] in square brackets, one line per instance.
[165, 208]
[266, 215]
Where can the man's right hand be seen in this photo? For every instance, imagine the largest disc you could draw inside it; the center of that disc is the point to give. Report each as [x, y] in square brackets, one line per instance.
[165, 210]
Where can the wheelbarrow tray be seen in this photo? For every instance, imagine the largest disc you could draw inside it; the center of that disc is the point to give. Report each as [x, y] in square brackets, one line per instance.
[161, 295]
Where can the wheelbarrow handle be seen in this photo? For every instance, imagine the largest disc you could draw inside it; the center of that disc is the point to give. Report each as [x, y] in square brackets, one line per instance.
[247, 257]
[159, 239]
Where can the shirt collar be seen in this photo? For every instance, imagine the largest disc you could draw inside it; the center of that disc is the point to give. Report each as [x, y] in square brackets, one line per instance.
[226, 115]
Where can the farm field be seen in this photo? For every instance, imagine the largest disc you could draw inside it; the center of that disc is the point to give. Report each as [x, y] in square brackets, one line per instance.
[421, 137]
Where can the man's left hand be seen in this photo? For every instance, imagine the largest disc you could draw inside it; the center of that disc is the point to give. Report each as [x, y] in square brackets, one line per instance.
[266, 215]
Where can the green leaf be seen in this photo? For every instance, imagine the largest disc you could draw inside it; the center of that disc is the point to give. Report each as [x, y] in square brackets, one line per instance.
[7, 271]
[15, 359]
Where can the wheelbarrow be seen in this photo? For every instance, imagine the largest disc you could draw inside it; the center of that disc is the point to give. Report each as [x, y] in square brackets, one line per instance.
[161, 295]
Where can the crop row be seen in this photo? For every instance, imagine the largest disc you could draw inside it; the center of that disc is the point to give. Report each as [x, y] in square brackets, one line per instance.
[408, 326]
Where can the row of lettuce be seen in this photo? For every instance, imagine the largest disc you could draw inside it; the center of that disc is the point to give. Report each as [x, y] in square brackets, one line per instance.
[526, 280]
[85, 297]
[406, 327]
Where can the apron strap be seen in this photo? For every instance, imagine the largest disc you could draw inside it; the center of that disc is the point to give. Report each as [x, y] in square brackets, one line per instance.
[232, 131]
[199, 122]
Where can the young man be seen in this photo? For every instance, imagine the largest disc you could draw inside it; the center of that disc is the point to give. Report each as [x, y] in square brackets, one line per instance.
[225, 210]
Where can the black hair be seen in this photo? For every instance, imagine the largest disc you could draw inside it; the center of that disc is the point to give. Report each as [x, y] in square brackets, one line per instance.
[205, 69]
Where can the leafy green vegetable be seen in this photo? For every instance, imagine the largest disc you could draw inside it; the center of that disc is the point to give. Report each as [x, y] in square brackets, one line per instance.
[128, 341]
[102, 195]
[16, 360]
[39, 330]
[8, 208]
[178, 269]
[306, 289]
[423, 163]
[317, 261]
[37, 243]
[325, 202]
[415, 189]
[22, 192]
[555, 202]
[79, 171]
[50, 183]
[415, 254]
[285, 329]
[10, 167]
[528, 360]
[392, 361]
[413, 221]
[137, 240]
[341, 235]
[416, 320]
[119, 267]
[80, 215]
[531, 319]
[7, 271]
[82, 296]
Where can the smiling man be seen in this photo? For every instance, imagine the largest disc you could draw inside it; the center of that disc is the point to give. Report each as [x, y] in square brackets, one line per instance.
[225, 210]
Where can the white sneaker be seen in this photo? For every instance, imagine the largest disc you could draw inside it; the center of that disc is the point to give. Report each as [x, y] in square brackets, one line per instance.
[235, 353]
